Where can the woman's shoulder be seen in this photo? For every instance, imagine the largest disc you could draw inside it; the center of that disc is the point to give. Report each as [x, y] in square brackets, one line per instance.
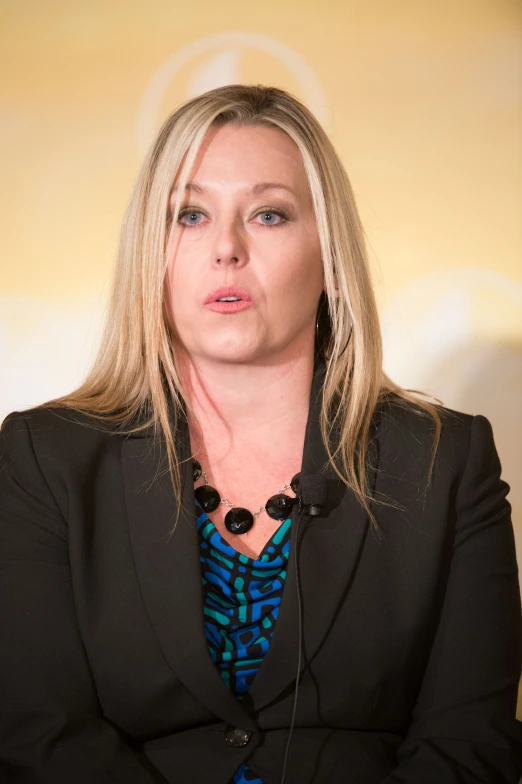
[55, 419]
[407, 432]
[396, 413]
[56, 431]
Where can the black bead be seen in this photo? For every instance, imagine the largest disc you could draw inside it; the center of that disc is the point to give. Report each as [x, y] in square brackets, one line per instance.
[208, 497]
[239, 520]
[196, 470]
[294, 482]
[279, 506]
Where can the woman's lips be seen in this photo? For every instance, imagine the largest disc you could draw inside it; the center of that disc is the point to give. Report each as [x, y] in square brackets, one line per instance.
[230, 290]
[229, 307]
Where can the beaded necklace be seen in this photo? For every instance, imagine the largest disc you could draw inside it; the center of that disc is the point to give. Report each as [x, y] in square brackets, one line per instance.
[239, 520]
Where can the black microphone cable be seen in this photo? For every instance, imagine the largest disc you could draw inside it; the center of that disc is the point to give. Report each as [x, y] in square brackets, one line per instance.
[300, 625]
[313, 493]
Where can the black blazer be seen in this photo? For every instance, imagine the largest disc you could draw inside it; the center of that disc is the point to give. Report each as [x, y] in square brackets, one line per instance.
[412, 645]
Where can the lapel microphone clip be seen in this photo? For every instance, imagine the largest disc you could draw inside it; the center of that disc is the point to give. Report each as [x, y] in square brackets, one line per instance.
[313, 493]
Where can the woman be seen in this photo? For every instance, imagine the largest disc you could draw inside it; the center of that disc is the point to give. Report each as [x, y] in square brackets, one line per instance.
[238, 502]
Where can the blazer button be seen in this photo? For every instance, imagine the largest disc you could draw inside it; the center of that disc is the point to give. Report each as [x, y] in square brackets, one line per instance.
[237, 737]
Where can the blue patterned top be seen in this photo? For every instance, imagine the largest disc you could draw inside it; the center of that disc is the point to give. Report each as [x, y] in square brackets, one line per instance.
[241, 598]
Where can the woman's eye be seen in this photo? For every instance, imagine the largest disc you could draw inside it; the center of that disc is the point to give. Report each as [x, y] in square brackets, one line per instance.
[190, 214]
[270, 214]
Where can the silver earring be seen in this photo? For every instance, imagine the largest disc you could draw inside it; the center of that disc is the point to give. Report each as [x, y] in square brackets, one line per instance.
[349, 336]
[317, 331]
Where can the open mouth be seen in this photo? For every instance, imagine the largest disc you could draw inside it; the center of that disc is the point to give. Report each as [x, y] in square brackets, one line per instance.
[228, 293]
[228, 304]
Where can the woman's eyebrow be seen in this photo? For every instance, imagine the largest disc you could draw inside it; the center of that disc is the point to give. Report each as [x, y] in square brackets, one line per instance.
[259, 187]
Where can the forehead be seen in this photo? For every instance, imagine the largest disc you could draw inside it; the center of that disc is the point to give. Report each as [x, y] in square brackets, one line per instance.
[246, 155]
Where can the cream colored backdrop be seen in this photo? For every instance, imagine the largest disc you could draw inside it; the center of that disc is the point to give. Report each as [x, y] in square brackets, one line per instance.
[422, 98]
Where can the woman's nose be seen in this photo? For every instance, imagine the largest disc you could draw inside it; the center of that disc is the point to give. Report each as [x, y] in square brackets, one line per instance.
[230, 244]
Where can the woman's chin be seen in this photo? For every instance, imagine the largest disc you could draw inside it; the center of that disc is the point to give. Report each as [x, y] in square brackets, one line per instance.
[233, 355]
[236, 349]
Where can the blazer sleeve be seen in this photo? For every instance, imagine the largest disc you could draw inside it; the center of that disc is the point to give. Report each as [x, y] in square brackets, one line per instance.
[52, 730]
[463, 728]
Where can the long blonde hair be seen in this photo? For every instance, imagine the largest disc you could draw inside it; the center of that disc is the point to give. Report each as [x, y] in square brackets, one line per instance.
[135, 381]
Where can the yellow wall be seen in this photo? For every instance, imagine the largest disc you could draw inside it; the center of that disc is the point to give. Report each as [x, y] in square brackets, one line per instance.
[422, 98]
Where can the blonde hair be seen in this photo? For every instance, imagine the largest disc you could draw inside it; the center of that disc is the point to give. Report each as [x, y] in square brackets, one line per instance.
[135, 378]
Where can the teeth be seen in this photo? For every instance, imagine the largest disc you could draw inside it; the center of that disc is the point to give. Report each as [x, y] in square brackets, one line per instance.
[229, 299]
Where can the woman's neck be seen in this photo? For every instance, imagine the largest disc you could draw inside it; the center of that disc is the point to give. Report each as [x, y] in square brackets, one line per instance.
[235, 404]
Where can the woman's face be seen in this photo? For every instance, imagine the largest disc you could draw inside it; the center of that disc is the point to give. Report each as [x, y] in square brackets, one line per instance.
[247, 220]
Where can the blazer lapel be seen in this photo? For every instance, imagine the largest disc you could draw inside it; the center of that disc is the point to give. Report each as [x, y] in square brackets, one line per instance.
[169, 569]
[169, 573]
[326, 549]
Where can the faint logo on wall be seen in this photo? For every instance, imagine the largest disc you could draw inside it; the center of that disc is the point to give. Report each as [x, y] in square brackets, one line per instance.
[217, 60]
